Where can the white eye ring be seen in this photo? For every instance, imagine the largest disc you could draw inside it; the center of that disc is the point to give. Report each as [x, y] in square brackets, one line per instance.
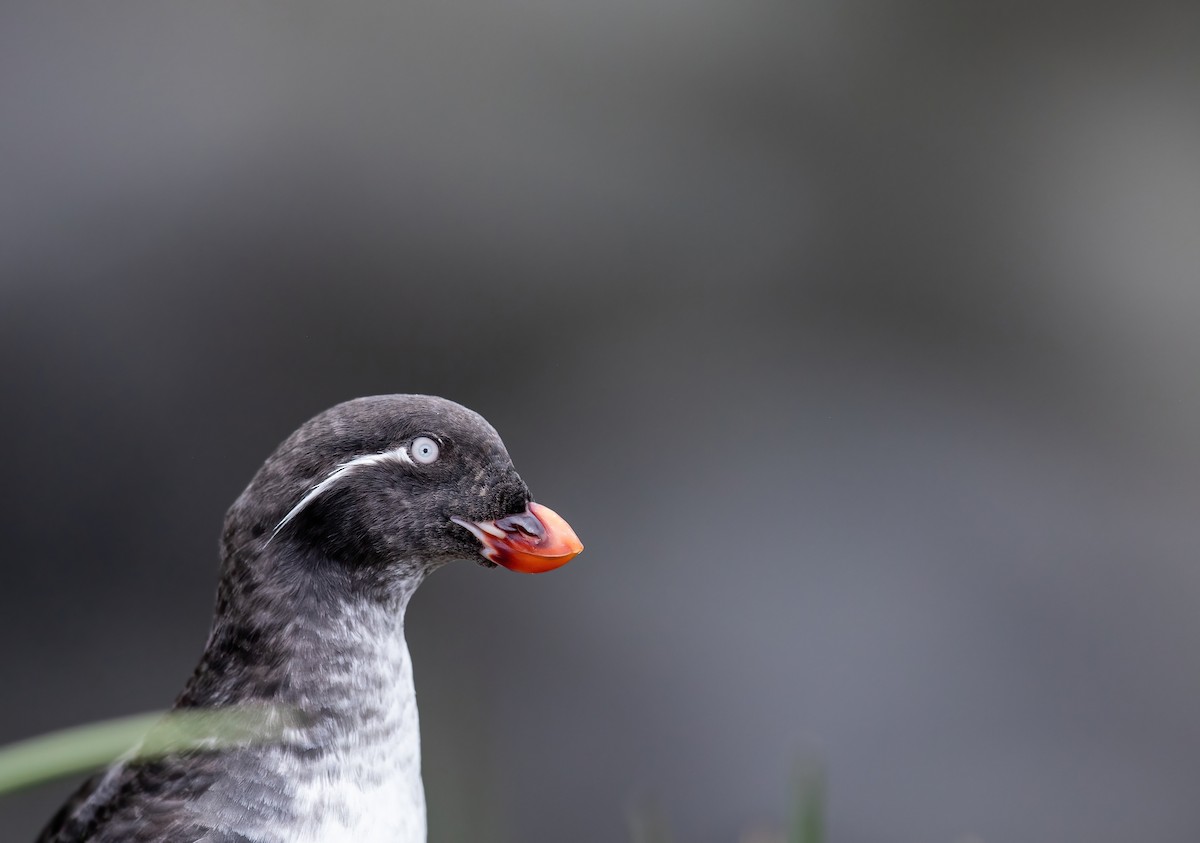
[424, 450]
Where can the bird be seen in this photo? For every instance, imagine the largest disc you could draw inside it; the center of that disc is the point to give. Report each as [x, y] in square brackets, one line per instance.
[319, 558]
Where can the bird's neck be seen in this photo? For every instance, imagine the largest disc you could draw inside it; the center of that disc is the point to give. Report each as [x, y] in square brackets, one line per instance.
[335, 658]
[294, 630]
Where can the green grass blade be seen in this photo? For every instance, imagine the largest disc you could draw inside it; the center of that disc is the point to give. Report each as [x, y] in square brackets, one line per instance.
[86, 748]
[70, 751]
[808, 824]
[648, 824]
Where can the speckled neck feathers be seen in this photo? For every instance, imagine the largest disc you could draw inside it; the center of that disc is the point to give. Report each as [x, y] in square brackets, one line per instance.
[329, 645]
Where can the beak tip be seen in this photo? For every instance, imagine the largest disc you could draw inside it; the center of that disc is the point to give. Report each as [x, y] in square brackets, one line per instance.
[524, 553]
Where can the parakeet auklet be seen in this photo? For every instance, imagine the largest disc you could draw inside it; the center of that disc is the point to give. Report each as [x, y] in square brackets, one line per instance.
[320, 555]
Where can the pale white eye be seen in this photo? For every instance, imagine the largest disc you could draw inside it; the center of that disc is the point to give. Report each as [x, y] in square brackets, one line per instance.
[424, 450]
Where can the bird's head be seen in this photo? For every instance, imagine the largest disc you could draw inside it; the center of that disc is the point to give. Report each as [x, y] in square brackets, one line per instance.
[398, 479]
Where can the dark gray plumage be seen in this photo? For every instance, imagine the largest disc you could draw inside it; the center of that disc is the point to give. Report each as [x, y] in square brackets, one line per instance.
[320, 555]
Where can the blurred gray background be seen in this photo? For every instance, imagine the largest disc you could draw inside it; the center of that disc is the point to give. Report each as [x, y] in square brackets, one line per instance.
[857, 341]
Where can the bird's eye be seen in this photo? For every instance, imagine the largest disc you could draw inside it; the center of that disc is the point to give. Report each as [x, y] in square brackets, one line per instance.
[424, 450]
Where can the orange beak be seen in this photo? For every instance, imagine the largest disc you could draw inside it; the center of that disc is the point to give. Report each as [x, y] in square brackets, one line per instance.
[530, 542]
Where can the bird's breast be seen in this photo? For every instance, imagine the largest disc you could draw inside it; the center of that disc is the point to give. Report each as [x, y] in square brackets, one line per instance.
[353, 773]
[364, 786]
